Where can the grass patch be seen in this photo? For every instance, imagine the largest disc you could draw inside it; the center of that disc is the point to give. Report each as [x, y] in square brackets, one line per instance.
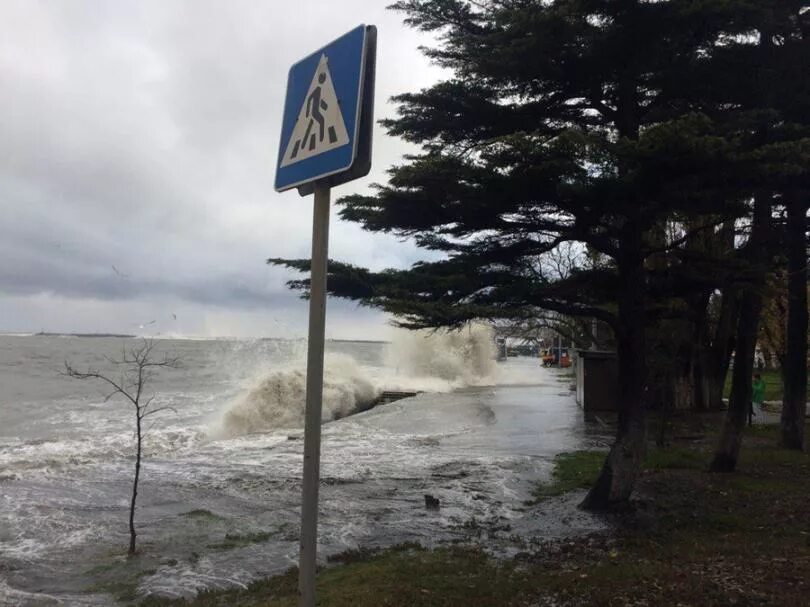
[576, 470]
[774, 388]
[353, 555]
[120, 578]
[362, 554]
[399, 576]
[675, 458]
[747, 484]
[579, 469]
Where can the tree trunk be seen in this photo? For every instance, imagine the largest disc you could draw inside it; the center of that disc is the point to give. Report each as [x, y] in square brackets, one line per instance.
[700, 382]
[768, 358]
[794, 403]
[622, 465]
[135, 484]
[618, 476]
[685, 388]
[719, 357]
[701, 242]
[682, 391]
[728, 448]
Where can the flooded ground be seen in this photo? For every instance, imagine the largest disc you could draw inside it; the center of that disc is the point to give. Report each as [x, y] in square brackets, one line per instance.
[220, 509]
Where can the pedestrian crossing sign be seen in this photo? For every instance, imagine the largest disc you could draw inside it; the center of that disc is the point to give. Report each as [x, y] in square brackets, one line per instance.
[326, 128]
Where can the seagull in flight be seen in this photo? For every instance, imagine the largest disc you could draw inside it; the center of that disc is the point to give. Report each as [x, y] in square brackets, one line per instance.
[122, 275]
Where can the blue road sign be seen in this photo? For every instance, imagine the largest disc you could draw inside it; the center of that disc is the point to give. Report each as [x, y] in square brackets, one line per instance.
[326, 127]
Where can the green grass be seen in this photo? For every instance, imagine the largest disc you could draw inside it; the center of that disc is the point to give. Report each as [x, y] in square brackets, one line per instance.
[579, 469]
[576, 470]
[120, 577]
[399, 576]
[675, 458]
[773, 384]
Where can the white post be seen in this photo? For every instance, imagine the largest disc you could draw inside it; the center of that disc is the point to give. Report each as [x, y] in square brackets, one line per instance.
[312, 429]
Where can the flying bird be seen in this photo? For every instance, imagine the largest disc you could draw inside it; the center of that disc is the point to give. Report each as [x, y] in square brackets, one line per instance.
[120, 273]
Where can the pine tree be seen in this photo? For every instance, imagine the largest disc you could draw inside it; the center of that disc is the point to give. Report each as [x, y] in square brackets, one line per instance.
[767, 107]
[564, 121]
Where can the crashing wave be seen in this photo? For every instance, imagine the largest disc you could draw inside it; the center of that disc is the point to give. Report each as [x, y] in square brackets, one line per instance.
[415, 360]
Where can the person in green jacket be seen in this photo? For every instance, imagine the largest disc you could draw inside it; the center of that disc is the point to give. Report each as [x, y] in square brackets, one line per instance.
[757, 396]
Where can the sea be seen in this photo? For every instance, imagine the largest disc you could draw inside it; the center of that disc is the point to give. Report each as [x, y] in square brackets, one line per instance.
[219, 499]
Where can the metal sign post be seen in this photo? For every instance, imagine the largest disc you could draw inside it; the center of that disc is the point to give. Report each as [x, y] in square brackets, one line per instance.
[312, 429]
[325, 141]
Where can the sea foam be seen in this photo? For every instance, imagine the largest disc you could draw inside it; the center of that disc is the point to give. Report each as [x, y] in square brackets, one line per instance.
[436, 361]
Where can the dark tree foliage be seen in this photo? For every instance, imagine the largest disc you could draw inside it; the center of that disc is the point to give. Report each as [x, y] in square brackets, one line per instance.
[587, 121]
[758, 89]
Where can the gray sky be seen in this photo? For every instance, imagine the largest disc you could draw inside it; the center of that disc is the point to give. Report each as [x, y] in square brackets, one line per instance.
[138, 143]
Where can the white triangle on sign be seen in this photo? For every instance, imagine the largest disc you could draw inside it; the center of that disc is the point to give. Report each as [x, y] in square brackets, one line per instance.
[319, 126]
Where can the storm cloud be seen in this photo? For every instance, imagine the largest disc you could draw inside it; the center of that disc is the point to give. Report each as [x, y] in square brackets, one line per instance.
[137, 151]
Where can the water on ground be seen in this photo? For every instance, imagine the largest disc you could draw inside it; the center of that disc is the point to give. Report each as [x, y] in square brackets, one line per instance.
[220, 492]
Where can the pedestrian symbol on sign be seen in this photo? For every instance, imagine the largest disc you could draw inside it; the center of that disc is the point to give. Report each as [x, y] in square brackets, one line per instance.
[319, 126]
[325, 143]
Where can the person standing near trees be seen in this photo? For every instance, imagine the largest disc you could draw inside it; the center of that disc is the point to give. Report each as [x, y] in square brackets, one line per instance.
[757, 396]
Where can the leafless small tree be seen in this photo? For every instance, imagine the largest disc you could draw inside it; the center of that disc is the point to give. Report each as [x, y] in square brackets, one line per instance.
[135, 369]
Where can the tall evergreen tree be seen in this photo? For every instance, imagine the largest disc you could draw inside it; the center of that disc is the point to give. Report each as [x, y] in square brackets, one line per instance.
[755, 84]
[792, 155]
[564, 120]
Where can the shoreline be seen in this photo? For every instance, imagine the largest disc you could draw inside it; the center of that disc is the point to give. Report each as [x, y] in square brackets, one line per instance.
[691, 538]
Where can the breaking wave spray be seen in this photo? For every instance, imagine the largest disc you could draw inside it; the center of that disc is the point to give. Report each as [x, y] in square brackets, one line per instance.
[436, 361]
